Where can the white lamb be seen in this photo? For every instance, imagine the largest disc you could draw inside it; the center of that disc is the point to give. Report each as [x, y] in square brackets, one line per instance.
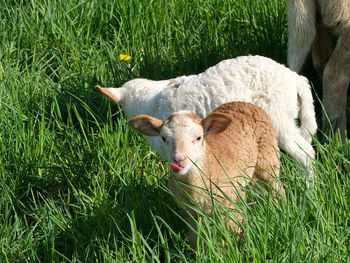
[241, 148]
[282, 93]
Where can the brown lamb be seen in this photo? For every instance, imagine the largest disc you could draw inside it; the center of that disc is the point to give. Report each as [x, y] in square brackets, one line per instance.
[235, 145]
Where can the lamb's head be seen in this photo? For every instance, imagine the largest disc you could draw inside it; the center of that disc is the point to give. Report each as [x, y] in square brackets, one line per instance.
[136, 95]
[183, 135]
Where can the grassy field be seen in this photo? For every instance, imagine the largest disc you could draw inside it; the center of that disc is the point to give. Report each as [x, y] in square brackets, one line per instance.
[78, 185]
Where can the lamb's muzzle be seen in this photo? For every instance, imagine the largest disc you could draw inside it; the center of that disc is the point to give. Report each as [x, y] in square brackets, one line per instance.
[177, 165]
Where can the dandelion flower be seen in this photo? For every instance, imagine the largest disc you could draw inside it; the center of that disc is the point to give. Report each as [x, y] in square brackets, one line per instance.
[124, 57]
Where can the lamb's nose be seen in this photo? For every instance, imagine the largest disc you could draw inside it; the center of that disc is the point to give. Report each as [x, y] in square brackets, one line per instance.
[179, 158]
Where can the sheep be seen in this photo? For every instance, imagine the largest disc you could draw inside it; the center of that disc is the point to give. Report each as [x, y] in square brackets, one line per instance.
[282, 93]
[310, 23]
[235, 142]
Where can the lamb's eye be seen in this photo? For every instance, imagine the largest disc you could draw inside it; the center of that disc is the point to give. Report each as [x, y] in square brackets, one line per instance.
[198, 139]
[163, 138]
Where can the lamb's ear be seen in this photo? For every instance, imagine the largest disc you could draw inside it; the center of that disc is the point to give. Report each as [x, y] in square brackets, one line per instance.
[146, 125]
[116, 95]
[216, 122]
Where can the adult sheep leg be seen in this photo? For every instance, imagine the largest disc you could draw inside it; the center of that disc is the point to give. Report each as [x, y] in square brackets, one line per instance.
[336, 78]
[321, 48]
[301, 31]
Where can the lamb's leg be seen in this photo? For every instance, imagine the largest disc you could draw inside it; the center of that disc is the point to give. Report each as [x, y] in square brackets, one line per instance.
[291, 141]
[185, 212]
[276, 186]
[336, 77]
[192, 228]
[267, 168]
[321, 48]
[301, 31]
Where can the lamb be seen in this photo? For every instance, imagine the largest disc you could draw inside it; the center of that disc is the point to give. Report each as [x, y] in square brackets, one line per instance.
[282, 93]
[235, 142]
[310, 23]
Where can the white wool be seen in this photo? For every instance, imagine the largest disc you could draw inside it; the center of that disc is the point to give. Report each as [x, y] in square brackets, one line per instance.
[255, 79]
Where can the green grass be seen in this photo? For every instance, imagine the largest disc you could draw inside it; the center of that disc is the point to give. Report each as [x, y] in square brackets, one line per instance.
[78, 185]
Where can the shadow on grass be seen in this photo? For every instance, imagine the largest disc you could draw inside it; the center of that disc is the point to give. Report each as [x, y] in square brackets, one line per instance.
[74, 215]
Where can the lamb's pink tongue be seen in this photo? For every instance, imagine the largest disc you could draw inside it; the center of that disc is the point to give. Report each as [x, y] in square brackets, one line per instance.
[175, 167]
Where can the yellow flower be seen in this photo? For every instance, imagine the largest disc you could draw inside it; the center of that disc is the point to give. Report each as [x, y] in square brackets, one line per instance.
[124, 57]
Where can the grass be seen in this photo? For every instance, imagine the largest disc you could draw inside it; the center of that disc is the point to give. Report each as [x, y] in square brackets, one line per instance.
[78, 185]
